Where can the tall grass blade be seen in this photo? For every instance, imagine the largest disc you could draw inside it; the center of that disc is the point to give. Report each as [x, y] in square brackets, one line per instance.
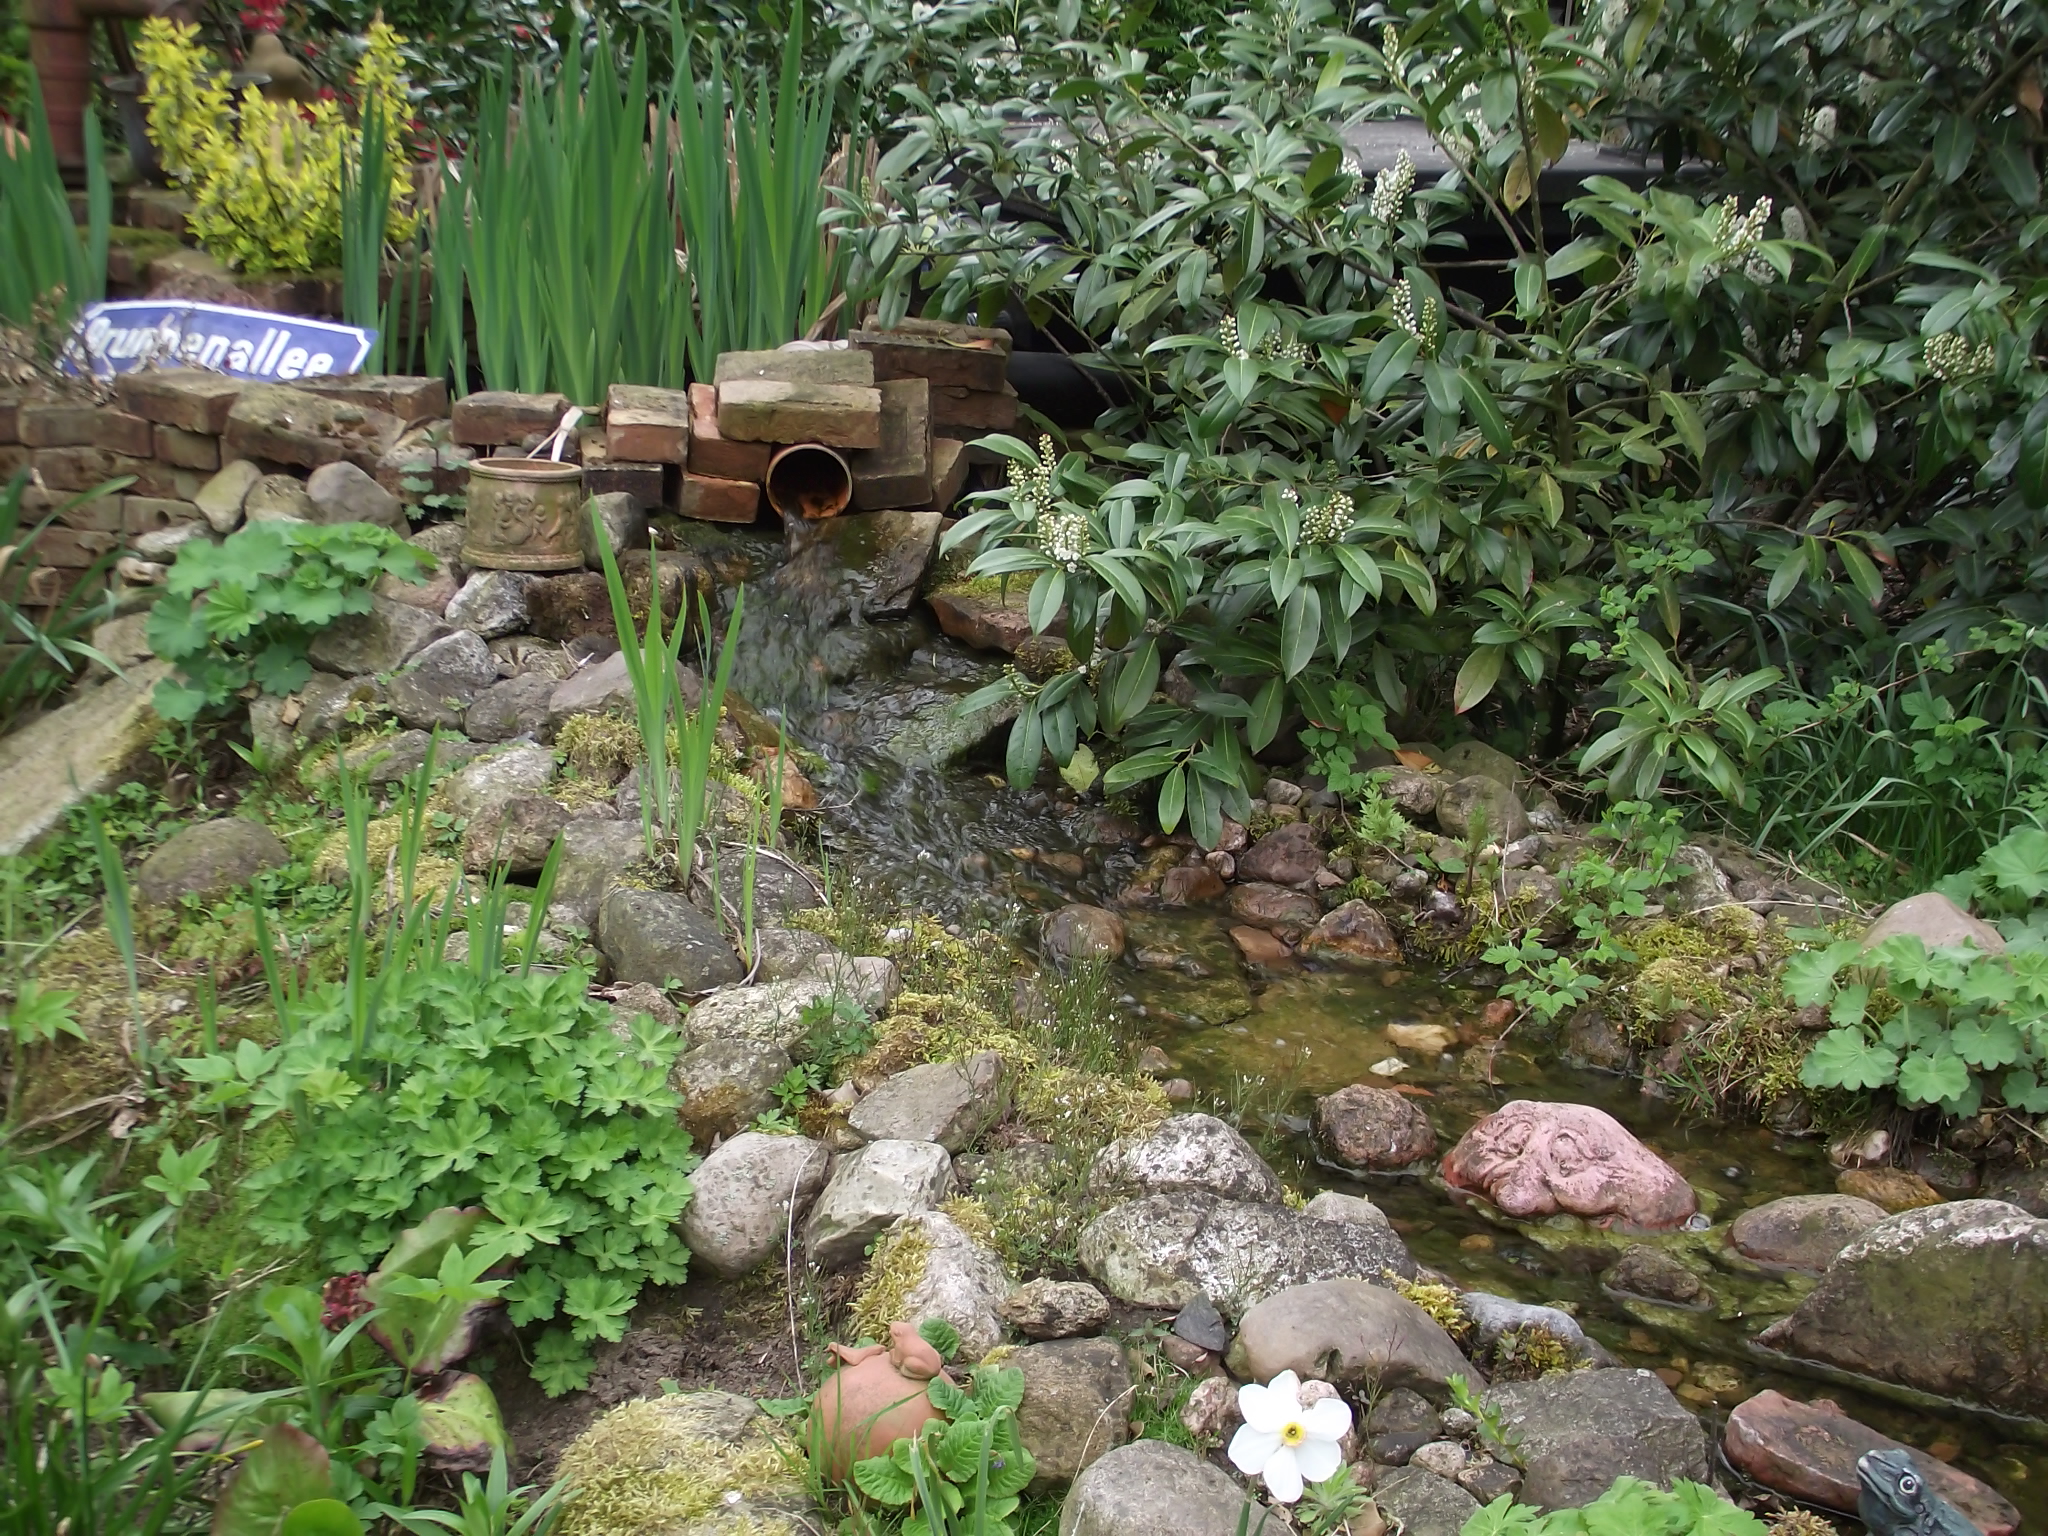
[365, 210]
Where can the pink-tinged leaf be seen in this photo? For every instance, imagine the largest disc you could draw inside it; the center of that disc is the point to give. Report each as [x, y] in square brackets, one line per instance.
[426, 1336]
[287, 1468]
[459, 1414]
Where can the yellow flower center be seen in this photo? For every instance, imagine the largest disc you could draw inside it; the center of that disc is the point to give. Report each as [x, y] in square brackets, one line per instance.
[1292, 1434]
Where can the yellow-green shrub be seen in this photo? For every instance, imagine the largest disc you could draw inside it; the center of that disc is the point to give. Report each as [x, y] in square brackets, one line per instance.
[265, 176]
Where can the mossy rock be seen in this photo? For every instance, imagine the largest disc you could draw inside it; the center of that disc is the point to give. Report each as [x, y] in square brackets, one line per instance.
[671, 1466]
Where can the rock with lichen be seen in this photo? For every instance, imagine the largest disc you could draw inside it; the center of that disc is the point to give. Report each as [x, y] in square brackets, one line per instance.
[671, 1466]
[930, 1266]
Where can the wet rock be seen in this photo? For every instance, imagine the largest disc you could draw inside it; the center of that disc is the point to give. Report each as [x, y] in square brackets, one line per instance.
[725, 1084]
[869, 1192]
[790, 952]
[517, 833]
[1423, 1504]
[1333, 1206]
[1347, 1332]
[1940, 1299]
[2026, 1188]
[1187, 1152]
[208, 860]
[1151, 1488]
[436, 688]
[1895, 1189]
[1655, 1275]
[1353, 934]
[949, 1102]
[1076, 1408]
[882, 557]
[1372, 1129]
[1201, 1325]
[1808, 1451]
[1803, 1231]
[1081, 932]
[1537, 1159]
[1165, 1250]
[774, 1011]
[960, 1282]
[514, 707]
[1484, 804]
[748, 1196]
[1936, 922]
[1189, 885]
[937, 735]
[1486, 1479]
[1950, 1174]
[1286, 913]
[1056, 1309]
[1591, 1039]
[492, 603]
[1260, 947]
[1580, 1430]
[1400, 1423]
[1285, 856]
[387, 636]
[659, 937]
[519, 770]
[987, 620]
[1429, 1039]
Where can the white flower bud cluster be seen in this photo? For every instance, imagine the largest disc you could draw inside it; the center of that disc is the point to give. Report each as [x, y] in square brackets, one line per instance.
[1272, 345]
[1953, 360]
[1031, 485]
[1737, 235]
[1795, 225]
[1790, 348]
[1759, 271]
[1425, 322]
[1063, 535]
[1751, 343]
[1821, 124]
[1328, 522]
[1391, 187]
[1226, 333]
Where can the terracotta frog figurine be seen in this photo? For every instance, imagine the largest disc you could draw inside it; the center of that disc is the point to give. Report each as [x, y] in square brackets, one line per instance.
[875, 1398]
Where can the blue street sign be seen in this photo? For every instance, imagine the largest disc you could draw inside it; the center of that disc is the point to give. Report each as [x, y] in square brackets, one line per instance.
[127, 334]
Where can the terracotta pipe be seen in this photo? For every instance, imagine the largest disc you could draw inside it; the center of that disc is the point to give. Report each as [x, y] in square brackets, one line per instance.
[809, 480]
[60, 48]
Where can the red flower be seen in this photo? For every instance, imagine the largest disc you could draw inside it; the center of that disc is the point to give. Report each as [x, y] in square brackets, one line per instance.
[344, 1303]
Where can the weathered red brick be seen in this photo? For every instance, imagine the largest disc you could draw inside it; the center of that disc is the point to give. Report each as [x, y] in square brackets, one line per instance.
[965, 413]
[898, 473]
[494, 416]
[808, 365]
[718, 501]
[714, 455]
[645, 483]
[67, 425]
[80, 469]
[772, 411]
[411, 398]
[190, 398]
[287, 425]
[647, 426]
[961, 356]
[148, 514]
[72, 548]
[186, 450]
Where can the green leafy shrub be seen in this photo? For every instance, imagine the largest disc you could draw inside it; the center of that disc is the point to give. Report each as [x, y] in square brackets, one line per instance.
[964, 1473]
[1954, 1027]
[508, 1091]
[244, 611]
[1632, 1506]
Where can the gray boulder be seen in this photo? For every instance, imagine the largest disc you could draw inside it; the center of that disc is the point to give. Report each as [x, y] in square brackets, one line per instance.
[279, 499]
[1949, 1299]
[492, 603]
[208, 860]
[774, 1012]
[1936, 922]
[220, 499]
[725, 1084]
[1076, 1408]
[518, 833]
[1363, 1127]
[601, 688]
[437, 686]
[1056, 1309]
[870, 1191]
[959, 1282]
[1468, 803]
[1577, 1431]
[596, 853]
[1493, 1316]
[787, 953]
[512, 707]
[620, 523]
[659, 937]
[342, 492]
[949, 1102]
[525, 769]
[327, 704]
[1803, 1231]
[936, 735]
[387, 636]
[1188, 1152]
[1082, 932]
[1422, 1504]
[1347, 1332]
[1150, 1488]
[1331, 1205]
[1466, 759]
[1165, 1250]
[750, 1196]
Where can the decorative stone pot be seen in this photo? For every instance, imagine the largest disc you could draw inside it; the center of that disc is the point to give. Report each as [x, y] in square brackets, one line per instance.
[874, 1399]
[524, 516]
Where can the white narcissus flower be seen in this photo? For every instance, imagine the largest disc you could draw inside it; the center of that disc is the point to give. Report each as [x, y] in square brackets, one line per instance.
[1285, 1443]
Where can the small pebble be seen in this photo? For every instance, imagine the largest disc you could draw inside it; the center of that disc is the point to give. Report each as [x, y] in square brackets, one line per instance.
[1476, 1242]
[1393, 1066]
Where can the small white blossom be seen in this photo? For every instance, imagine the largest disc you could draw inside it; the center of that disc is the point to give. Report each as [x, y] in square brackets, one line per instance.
[1795, 225]
[1031, 485]
[1327, 523]
[1424, 321]
[1391, 187]
[1750, 342]
[1760, 272]
[1226, 332]
[1063, 535]
[1790, 348]
[1286, 1443]
[1821, 123]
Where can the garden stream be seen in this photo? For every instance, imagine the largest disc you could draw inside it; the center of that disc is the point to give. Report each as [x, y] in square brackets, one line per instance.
[1260, 1047]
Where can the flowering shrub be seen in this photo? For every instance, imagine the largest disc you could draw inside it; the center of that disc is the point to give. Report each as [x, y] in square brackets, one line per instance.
[265, 177]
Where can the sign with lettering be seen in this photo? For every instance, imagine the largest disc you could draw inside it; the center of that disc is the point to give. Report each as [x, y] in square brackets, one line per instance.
[126, 334]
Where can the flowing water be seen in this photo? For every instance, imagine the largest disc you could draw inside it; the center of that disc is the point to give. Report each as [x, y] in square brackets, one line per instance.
[960, 844]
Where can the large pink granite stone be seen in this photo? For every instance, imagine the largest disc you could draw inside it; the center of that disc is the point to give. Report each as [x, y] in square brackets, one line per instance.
[1533, 1159]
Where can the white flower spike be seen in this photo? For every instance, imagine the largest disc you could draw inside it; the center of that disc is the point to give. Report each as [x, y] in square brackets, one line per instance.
[1284, 1443]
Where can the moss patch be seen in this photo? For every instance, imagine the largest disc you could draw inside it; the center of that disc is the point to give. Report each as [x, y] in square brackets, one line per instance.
[431, 873]
[599, 747]
[651, 1465]
[1088, 1109]
[895, 1271]
[1446, 1308]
